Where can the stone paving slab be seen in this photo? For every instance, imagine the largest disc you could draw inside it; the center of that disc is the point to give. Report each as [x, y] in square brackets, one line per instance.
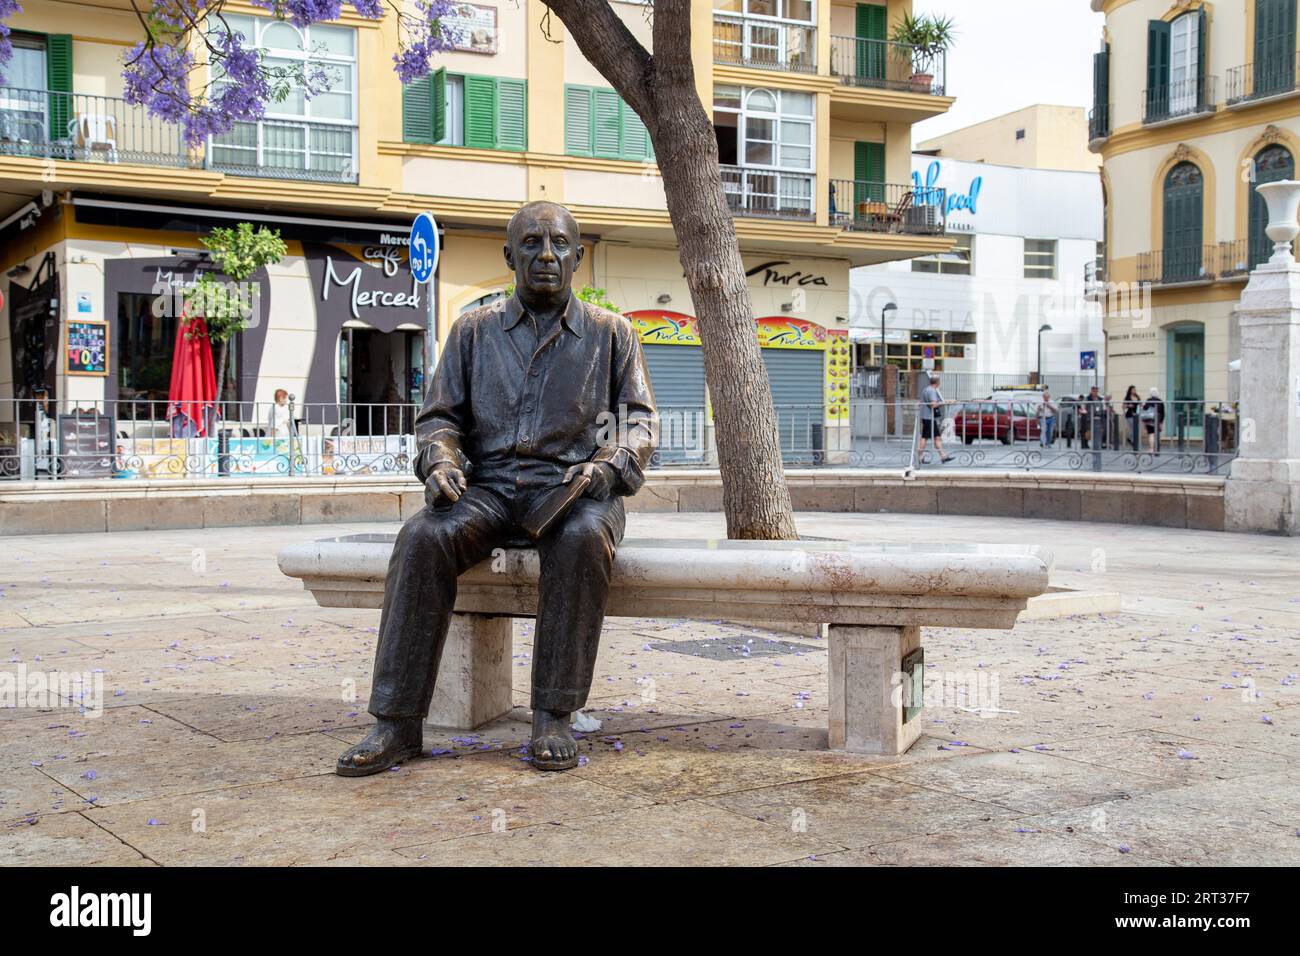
[228, 694]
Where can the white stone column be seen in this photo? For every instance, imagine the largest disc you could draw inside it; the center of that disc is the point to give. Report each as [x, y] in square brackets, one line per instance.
[474, 676]
[1262, 493]
[866, 703]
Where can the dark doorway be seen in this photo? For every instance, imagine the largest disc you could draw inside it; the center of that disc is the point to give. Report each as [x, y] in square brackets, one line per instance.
[381, 379]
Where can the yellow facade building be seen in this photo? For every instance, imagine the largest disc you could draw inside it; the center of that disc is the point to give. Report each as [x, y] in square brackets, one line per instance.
[103, 206]
[1195, 104]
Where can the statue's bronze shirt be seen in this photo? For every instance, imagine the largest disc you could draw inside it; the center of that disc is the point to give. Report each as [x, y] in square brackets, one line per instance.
[521, 405]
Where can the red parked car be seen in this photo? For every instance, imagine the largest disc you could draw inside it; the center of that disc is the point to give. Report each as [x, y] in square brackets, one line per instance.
[1005, 421]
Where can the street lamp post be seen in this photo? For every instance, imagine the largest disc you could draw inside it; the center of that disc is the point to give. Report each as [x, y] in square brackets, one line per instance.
[1041, 329]
[889, 307]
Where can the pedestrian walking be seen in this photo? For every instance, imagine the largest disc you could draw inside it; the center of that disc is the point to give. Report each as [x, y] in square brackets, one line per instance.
[1132, 403]
[1047, 420]
[1152, 415]
[932, 412]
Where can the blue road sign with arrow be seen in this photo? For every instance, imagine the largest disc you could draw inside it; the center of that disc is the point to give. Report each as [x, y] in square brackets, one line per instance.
[423, 251]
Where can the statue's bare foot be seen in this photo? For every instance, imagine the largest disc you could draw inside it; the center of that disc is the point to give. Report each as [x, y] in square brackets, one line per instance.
[388, 743]
[553, 746]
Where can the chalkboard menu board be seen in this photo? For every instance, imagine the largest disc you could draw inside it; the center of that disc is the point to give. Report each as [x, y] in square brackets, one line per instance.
[86, 445]
[87, 348]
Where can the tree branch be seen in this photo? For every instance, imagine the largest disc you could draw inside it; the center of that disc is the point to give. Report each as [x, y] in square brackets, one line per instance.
[672, 42]
[611, 48]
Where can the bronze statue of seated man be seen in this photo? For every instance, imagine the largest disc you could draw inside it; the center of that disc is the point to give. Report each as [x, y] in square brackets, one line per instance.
[530, 392]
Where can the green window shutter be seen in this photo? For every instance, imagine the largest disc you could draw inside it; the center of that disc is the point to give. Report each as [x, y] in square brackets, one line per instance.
[868, 172]
[58, 71]
[1101, 92]
[417, 111]
[481, 112]
[636, 138]
[871, 23]
[512, 114]
[1275, 46]
[607, 138]
[1202, 57]
[577, 120]
[438, 93]
[1159, 40]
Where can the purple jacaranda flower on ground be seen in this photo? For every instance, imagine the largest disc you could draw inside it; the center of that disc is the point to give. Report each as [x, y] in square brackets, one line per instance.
[1124, 848]
[582, 760]
[1266, 719]
[1186, 755]
[89, 775]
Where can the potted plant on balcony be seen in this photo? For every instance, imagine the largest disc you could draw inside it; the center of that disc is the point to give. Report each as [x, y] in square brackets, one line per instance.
[927, 37]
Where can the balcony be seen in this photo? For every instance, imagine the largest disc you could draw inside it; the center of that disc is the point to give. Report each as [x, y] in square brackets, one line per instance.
[884, 65]
[860, 206]
[767, 43]
[79, 127]
[1179, 100]
[1182, 266]
[1099, 122]
[1258, 81]
[769, 193]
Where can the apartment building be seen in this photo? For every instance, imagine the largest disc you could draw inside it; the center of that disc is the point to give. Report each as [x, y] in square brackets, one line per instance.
[104, 206]
[1195, 104]
[1041, 136]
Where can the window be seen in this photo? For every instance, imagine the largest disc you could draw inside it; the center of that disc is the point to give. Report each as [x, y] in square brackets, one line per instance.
[1020, 134]
[1176, 75]
[598, 123]
[1182, 230]
[316, 134]
[1040, 258]
[145, 344]
[1272, 163]
[36, 98]
[785, 9]
[765, 128]
[482, 112]
[955, 262]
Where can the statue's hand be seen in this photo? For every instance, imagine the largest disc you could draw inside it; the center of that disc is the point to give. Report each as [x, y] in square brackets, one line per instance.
[447, 481]
[602, 477]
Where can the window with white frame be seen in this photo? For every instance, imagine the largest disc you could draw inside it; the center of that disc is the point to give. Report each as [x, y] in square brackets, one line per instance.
[801, 10]
[315, 135]
[955, 262]
[767, 128]
[1040, 258]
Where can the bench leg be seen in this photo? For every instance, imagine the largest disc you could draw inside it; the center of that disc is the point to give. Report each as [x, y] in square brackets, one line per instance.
[473, 685]
[866, 709]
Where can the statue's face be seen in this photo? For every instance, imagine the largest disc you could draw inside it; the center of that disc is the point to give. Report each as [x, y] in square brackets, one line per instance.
[544, 251]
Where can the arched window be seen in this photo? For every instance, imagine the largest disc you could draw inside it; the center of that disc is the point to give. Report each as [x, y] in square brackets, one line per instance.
[1183, 202]
[1271, 164]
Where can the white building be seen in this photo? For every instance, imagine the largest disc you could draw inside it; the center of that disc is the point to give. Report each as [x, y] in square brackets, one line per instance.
[1029, 238]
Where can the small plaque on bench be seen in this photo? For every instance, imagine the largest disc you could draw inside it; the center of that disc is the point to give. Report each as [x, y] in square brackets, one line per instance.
[913, 669]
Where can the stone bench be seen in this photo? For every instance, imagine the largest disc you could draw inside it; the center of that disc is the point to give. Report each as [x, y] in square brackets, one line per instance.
[875, 599]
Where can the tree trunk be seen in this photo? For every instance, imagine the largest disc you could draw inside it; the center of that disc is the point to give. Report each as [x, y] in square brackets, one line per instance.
[661, 88]
[221, 370]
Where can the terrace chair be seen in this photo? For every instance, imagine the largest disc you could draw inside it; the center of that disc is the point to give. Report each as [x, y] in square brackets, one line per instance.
[895, 218]
[95, 132]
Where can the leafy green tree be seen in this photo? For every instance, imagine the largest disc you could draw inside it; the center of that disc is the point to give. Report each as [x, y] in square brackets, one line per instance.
[226, 307]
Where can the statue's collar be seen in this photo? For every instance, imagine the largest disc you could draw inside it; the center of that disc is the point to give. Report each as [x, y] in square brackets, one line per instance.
[574, 316]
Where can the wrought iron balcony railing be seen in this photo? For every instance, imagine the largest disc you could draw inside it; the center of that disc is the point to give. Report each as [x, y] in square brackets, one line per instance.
[1099, 121]
[79, 127]
[862, 206]
[765, 42]
[1183, 264]
[1176, 100]
[883, 64]
[769, 192]
[1253, 81]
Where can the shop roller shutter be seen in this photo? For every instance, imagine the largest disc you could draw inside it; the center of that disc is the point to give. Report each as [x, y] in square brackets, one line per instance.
[798, 391]
[677, 374]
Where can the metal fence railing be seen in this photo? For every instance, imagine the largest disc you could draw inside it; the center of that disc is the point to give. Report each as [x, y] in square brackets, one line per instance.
[1099, 121]
[1253, 81]
[753, 191]
[863, 206]
[883, 64]
[1184, 98]
[1183, 264]
[769, 43]
[134, 440]
[79, 127]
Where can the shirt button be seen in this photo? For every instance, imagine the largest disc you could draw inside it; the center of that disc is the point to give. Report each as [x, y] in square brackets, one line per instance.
[523, 440]
[534, 373]
[528, 408]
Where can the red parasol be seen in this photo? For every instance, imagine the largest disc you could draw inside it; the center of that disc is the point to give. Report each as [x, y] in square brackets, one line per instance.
[192, 398]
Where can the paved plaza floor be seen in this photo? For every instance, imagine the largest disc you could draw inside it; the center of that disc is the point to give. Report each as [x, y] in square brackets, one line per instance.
[1165, 734]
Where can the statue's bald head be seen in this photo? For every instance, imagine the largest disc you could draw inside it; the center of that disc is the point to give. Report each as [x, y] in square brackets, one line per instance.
[543, 250]
[531, 213]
